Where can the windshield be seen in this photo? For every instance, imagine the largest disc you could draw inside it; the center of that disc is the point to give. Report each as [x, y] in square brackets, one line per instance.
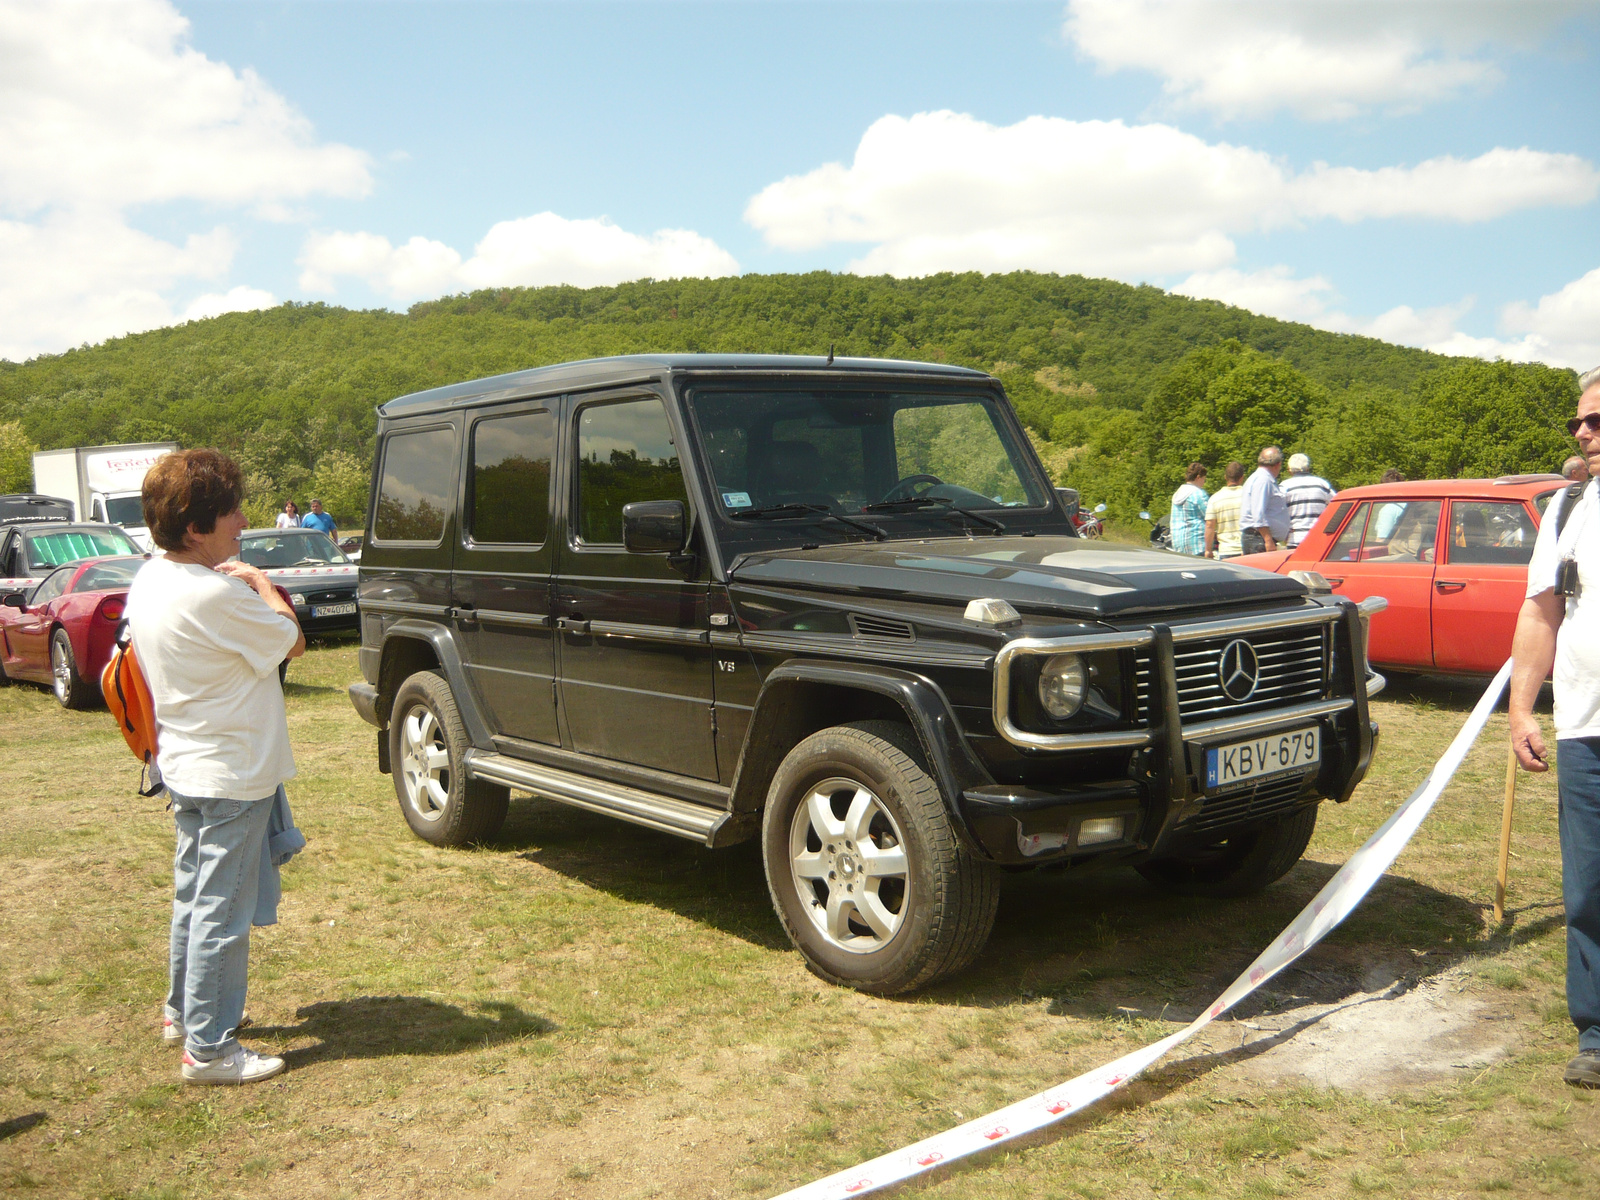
[108, 576]
[290, 548]
[883, 453]
[125, 510]
[60, 547]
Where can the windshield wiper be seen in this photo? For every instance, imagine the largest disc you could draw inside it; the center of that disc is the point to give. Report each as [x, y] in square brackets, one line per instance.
[777, 512]
[939, 502]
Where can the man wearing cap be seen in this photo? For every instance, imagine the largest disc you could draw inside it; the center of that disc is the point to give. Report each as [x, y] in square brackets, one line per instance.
[1263, 513]
[1559, 627]
[1306, 494]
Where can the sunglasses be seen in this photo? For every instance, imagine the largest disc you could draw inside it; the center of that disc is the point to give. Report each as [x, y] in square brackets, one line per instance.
[1590, 423]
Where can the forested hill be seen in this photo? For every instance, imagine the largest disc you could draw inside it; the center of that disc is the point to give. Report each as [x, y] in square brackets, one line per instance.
[1121, 384]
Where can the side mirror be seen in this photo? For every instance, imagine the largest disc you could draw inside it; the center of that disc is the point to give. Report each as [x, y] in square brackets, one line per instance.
[13, 600]
[654, 526]
[1099, 508]
[1144, 515]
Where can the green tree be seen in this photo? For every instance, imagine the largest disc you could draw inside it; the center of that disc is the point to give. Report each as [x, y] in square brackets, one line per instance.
[16, 458]
[341, 481]
[1486, 419]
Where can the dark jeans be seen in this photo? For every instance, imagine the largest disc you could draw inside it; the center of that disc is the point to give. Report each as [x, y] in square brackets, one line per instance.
[1578, 772]
[1251, 541]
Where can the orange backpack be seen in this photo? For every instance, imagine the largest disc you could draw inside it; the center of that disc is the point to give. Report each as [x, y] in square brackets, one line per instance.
[127, 695]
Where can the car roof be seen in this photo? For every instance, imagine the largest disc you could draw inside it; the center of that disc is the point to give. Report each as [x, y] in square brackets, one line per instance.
[1513, 487]
[30, 526]
[640, 368]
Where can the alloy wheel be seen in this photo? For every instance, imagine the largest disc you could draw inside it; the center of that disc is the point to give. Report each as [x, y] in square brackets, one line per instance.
[848, 858]
[425, 763]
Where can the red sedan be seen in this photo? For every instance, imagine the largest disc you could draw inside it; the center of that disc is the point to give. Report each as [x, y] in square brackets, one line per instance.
[1450, 556]
[60, 632]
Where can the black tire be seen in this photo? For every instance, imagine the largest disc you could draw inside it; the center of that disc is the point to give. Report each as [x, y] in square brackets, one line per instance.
[933, 917]
[1240, 865]
[427, 747]
[70, 688]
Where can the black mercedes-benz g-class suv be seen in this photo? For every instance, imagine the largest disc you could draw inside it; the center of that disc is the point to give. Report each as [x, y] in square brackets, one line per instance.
[836, 605]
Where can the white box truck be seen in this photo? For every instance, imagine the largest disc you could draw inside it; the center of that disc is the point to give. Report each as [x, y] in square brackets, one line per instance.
[102, 482]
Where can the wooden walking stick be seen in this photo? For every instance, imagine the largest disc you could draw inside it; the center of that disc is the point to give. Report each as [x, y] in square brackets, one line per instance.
[1505, 839]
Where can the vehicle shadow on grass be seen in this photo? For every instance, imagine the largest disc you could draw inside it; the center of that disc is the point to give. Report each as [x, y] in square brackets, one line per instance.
[1107, 943]
[725, 889]
[1097, 942]
[1448, 693]
[380, 1026]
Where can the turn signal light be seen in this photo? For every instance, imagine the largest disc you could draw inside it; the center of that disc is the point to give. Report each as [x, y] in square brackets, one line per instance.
[111, 610]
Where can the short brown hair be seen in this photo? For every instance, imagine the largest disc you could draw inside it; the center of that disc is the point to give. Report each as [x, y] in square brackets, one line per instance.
[1196, 469]
[1392, 475]
[189, 487]
[1234, 473]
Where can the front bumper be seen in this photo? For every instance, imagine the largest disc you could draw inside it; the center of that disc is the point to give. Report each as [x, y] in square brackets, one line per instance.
[1161, 803]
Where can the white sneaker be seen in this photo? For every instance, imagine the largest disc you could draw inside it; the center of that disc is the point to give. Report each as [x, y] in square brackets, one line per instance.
[242, 1066]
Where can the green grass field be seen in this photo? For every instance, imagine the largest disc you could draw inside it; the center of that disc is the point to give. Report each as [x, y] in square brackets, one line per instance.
[588, 1009]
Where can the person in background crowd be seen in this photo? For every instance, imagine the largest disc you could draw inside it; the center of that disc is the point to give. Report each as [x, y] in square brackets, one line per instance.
[1188, 520]
[1264, 514]
[210, 633]
[317, 519]
[289, 518]
[1222, 515]
[1388, 514]
[1575, 469]
[1559, 627]
[1307, 495]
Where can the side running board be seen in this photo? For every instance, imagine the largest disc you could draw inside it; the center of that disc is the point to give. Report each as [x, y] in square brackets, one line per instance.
[693, 821]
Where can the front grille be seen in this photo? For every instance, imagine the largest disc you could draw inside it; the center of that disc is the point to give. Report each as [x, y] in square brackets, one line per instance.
[1293, 664]
[334, 596]
[1269, 798]
[881, 627]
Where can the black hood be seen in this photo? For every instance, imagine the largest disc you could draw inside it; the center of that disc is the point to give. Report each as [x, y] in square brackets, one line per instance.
[1038, 574]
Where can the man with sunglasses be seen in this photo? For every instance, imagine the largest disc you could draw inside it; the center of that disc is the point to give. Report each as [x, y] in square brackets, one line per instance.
[1558, 630]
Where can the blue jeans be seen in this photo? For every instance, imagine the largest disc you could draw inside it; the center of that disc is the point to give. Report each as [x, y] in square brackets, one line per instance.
[216, 872]
[1578, 772]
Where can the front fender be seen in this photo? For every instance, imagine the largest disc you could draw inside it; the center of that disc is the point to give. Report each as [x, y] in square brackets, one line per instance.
[779, 722]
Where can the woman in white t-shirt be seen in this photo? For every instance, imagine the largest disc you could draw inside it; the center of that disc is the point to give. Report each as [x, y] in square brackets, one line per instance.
[289, 518]
[210, 634]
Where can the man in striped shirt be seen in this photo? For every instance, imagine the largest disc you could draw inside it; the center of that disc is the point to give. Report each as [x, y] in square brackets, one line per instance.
[1307, 495]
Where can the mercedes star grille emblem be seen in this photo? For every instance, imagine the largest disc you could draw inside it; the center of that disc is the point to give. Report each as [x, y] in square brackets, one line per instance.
[1238, 671]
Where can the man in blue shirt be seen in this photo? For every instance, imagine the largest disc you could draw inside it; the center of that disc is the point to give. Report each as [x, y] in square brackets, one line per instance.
[1264, 513]
[317, 519]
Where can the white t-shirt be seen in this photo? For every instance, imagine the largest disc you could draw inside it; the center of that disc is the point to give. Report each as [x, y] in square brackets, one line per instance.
[210, 649]
[1577, 668]
[285, 521]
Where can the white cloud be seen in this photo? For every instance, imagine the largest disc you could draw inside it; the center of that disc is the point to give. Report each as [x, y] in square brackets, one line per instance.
[1322, 59]
[1566, 323]
[944, 191]
[1562, 329]
[108, 108]
[526, 252]
[235, 299]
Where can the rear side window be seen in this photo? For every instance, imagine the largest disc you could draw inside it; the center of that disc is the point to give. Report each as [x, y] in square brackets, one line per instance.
[625, 453]
[414, 492]
[1491, 531]
[511, 478]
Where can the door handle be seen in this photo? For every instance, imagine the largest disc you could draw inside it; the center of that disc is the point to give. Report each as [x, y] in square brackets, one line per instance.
[1449, 585]
[1334, 582]
[467, 614]
[572, 625]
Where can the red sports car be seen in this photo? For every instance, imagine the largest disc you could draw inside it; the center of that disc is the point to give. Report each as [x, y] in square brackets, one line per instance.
[61, 631]
[1450, 556]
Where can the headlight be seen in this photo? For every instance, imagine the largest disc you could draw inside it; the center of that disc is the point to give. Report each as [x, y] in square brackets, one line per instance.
[297, 599]
[1062, 685]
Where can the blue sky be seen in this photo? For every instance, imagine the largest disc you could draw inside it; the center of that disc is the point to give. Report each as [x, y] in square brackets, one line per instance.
[1426, 172]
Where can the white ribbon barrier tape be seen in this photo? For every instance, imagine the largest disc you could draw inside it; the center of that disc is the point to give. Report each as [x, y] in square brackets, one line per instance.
[1336, 901]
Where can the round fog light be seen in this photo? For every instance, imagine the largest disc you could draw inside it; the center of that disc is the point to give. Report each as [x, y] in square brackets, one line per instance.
[1062, 685]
